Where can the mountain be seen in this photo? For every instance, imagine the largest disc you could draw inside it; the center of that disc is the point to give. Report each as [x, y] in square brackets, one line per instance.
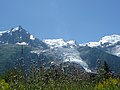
[109, 44]
[20, 36]
[67, 50]
[107, 49]
[17, 44]
[92, 55]
[12, 40]
[85, 55]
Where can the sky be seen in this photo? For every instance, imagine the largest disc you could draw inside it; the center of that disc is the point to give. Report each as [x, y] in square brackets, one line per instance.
[80, 20]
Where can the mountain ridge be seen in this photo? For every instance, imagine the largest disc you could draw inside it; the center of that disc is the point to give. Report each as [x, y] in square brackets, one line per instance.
[20, 36]
[60, 51]
[110, 40]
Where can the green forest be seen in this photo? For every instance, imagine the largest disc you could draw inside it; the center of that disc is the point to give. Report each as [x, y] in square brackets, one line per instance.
[55, 78]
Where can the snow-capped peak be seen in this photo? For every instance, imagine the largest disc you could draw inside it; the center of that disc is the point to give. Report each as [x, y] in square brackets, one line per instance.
[16, 29]
[19, 34]
[109, 40]
[11, 30]
[53, 43]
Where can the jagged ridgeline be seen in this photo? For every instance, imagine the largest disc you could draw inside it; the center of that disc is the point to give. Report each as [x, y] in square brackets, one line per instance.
[20, 36]
[17, 44]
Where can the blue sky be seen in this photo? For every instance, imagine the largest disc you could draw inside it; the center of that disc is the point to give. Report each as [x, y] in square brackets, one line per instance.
[81, 20]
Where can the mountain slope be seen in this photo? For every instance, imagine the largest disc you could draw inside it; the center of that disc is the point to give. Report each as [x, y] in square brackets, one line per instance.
[92, 55]
[67, 50]
[109, 44]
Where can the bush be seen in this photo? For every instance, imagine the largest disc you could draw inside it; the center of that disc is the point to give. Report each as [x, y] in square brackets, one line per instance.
[109, 84]
[4, 85]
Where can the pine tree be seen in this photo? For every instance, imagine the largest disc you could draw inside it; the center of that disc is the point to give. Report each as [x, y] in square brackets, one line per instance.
[106, 70]
[106, 67]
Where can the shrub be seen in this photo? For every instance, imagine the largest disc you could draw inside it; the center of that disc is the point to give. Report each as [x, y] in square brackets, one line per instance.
[109, 84]
[4, 85]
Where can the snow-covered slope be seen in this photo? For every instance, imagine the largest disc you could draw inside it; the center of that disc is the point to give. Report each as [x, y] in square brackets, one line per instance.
[72, 55]
[115, 50]
[68, 51]
[110, 44]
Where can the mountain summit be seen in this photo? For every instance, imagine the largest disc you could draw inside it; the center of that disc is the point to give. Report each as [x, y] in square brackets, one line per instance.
[59, 43]
[19, 36]
[105, 41]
